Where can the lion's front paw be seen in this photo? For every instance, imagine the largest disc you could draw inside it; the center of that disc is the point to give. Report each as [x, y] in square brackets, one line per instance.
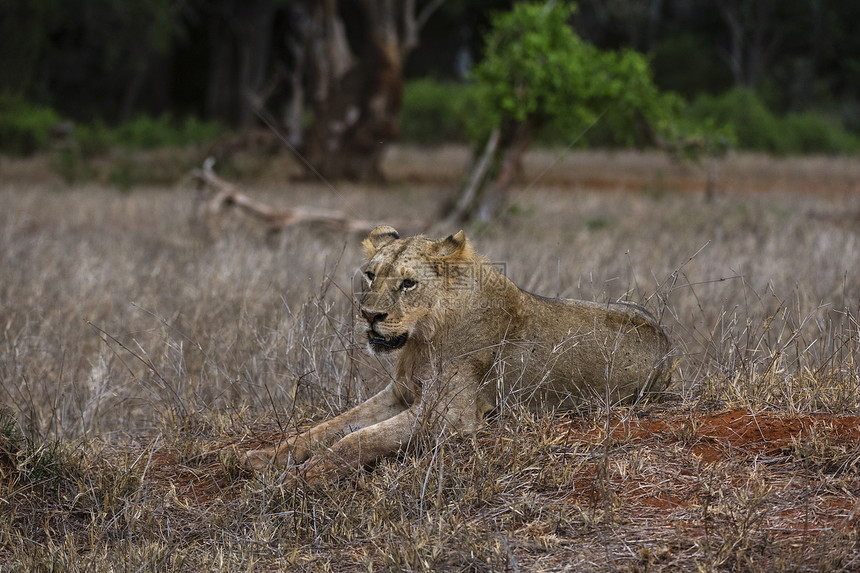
[313, 473]
[258, 460]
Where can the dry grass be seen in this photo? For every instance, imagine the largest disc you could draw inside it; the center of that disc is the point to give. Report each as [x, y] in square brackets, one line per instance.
[136, 356]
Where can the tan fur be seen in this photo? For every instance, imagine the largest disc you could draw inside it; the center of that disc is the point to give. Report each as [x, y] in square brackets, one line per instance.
[466, 341]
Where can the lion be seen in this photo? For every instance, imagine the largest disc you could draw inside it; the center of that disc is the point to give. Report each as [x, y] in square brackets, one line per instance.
[467, 341]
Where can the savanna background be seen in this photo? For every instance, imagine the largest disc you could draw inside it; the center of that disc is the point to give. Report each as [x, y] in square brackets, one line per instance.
[145, 342]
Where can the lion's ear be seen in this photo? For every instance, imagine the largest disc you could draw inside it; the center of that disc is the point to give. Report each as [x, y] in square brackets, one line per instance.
[378, 238]
[454, 247]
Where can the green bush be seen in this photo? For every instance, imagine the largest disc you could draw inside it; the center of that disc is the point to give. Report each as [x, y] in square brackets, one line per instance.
[435, 112]
[756, 128]
[810, 132]
[24, 127]
[145, 132]
[539, 75]
[94, 138]
[546, 76]
[740, 110]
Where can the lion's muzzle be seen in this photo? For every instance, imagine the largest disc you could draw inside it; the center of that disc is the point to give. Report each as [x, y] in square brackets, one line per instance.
[380, 343]
[373, 317]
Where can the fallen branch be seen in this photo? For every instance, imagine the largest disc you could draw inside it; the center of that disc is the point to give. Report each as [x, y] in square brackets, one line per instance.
[226, 194]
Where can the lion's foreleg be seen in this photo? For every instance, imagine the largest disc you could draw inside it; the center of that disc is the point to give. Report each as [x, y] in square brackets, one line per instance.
[297, 449]
[436, 413]
[359, 448]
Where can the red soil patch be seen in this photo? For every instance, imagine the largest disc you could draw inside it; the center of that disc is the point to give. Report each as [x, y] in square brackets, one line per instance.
[798, 472]
[193, 483]
[727, 435]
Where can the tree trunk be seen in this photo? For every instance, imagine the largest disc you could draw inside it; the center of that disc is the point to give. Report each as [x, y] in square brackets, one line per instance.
[221, 91]
[478, 173]
[512, 152]
[357, 99]
[240, 36]
[735, 53]
[254, 33]
[485, 193]
[298, 49]
[352, 127]
[750, 41]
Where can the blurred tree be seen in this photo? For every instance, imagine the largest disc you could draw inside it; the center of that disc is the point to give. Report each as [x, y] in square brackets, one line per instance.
[240, 39]
[751, 38]
[338, 64]
[536, 70]
[91, 59]
[356, 92]
[24, 41]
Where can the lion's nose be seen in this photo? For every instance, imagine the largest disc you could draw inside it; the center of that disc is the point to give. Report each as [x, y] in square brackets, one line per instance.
[373, 317]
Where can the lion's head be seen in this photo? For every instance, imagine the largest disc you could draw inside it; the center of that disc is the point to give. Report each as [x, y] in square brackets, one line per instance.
[408, 283]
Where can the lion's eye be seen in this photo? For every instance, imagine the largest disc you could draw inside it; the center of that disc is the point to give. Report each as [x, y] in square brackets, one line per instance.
[408, 284]
[369, 276]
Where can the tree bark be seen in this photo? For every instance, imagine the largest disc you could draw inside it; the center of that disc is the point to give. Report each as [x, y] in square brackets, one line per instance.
[512, 152]
[355, 92]
[485, 193]
[298, 49]
[357, 98]
[477, 176]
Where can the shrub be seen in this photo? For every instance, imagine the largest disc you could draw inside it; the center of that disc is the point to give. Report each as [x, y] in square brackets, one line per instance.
[25, 129]
[810, 132]
[145, 132]
[755, 127]
[24, 126]
[538, 72]
[435, 112]
[94, 138]
[24, 461]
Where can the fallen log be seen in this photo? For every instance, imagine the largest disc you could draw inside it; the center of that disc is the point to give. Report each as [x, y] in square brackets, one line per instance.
[225, 194]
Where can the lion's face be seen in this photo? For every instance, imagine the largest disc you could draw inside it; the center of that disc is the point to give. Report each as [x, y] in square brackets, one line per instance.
[405, 287]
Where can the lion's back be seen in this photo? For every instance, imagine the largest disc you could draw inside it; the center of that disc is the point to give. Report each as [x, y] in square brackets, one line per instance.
[573, 349]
